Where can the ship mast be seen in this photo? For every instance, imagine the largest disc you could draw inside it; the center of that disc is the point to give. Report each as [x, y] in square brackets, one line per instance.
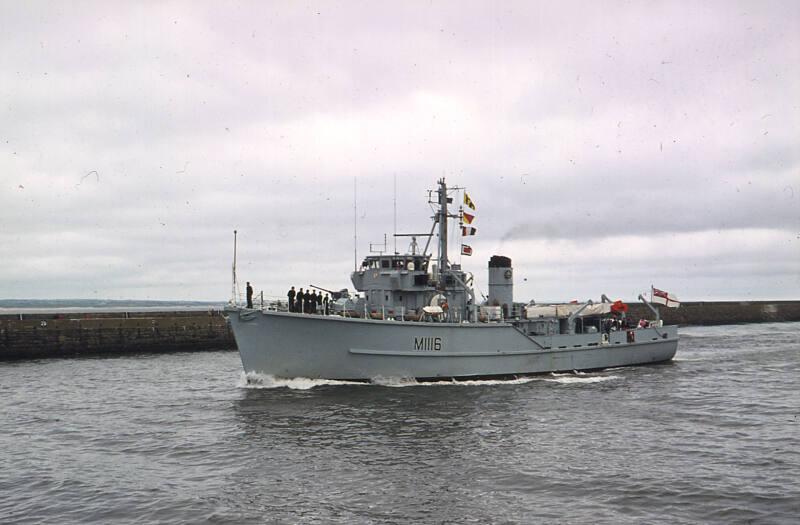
[442, 219]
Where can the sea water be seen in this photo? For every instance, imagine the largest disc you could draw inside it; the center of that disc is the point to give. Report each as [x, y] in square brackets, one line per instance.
[712, 437]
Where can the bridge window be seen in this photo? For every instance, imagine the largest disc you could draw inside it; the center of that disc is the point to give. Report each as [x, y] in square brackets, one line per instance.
[384, 263]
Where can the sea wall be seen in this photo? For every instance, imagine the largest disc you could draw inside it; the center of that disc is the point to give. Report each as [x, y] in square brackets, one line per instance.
[719, 312]
[26, 336]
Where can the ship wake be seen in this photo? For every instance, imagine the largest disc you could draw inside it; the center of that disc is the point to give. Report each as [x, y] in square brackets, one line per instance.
[266, 381]
[399, 382]
[258, 381]
[580, 378]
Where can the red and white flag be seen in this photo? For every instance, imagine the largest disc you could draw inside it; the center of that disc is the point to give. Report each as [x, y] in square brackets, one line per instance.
[466, 250]
[665, 298]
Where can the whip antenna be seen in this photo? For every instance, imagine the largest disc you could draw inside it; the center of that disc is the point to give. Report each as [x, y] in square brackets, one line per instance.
[355, 228]
[395, 213]
[234, 283]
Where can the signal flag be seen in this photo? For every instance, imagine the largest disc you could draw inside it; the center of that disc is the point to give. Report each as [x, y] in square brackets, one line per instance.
[468, 201]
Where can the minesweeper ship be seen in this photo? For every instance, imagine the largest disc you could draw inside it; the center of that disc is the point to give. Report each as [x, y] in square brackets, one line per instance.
[417, 317]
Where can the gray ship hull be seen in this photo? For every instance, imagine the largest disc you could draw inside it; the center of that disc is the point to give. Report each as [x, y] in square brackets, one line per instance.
[331, 347]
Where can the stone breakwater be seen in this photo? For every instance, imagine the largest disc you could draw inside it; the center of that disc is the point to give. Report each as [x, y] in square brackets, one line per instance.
[722, 312]
[62, 334]
[34, 335]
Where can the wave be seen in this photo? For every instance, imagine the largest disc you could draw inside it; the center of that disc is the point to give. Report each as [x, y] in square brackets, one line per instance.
[254, 380]
[738, 330]
[405, 382]
[579, 378]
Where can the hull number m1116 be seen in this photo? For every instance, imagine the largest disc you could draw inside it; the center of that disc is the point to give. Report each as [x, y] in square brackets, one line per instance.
[428, 343]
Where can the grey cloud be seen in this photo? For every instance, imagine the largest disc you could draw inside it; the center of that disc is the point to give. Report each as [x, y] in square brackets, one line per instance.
[568, 123]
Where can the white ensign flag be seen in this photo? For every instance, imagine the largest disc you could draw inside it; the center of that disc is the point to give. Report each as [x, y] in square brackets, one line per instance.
[665, 298]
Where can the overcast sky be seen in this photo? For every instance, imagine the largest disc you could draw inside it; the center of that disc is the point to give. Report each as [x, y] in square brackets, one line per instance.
[608, 146]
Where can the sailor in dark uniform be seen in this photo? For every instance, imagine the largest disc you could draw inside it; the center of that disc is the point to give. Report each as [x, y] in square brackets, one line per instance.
[298, 305]
[249, 295]
[307, 303]
[325, 304]
[291, 296]
[313, 303]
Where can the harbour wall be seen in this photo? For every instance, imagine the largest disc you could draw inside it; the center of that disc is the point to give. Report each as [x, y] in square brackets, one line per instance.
[721, 312]
[63, 334]
[34, 335]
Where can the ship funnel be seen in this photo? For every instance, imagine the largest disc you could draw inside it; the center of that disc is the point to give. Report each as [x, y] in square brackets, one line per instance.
[501, 283]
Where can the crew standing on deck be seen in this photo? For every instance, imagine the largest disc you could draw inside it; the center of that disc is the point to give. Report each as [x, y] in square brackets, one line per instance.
[249, 295]
[307, 303]
[298, 305]
[291, 295]
[313, 301]
[325, 305]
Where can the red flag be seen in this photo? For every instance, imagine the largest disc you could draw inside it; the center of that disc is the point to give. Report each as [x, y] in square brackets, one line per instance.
[466, 250]
[468, 218]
